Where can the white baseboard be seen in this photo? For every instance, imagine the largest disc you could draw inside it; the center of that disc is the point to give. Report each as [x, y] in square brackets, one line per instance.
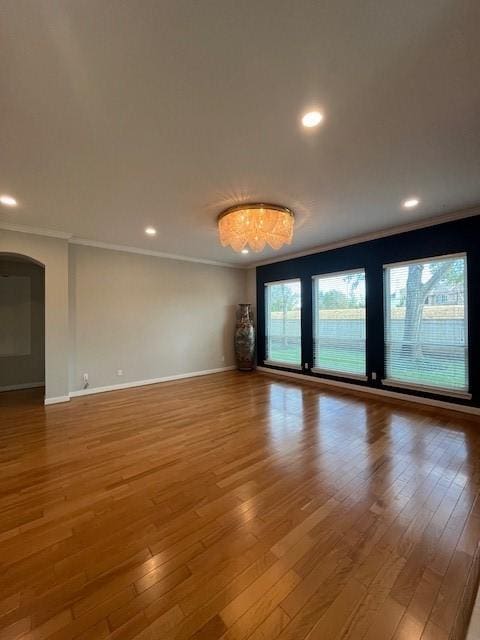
[57, 400]
[135, 383]
[374, 391]
[143, 383]
[25, 385]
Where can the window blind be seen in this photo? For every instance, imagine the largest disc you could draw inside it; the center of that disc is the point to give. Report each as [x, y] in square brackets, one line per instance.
[426, 323]
[282, 323]
[339, 323]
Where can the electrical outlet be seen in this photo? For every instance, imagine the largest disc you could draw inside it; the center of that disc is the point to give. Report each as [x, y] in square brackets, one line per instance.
[119, 372]
[85, 377]
[374, 375]
[306, 365]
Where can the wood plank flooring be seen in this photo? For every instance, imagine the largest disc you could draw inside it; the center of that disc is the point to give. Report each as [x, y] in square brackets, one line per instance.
[234, 506]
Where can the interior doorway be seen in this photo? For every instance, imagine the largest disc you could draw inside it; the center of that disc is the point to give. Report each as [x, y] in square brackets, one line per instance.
[22, 329]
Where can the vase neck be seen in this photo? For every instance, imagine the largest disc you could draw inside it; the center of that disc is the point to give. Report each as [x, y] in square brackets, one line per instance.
[244, 313]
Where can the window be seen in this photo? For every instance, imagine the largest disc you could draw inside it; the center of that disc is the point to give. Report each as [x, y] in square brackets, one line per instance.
[283, 331]
[426, 324]
[339, 323]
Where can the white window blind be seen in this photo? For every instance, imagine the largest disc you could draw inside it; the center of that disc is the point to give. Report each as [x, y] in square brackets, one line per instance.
[339, 323]
[282, 323]
[426, 323]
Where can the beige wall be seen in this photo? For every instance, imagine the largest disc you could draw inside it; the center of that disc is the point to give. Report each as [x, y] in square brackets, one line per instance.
[29, 367]
[107, 310]
[53, 254]
[150, 317]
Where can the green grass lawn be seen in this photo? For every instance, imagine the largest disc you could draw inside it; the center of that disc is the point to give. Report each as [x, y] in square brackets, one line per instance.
[429, 372]
[426, 371]
[346, 360]
[288, 354]
[330, 358]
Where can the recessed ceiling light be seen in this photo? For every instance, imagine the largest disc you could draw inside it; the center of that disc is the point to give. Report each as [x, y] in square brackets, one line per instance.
[150, 231]
[312, 119]
[244, 250]
[8, 201]
[410, 203]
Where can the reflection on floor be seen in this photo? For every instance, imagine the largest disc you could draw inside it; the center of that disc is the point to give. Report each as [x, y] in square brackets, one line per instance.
[234, 506]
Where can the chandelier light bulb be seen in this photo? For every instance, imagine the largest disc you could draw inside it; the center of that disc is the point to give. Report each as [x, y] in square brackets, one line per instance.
[256, 225]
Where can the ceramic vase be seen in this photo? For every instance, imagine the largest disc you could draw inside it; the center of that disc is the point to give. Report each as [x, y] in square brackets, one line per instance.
[245, 339]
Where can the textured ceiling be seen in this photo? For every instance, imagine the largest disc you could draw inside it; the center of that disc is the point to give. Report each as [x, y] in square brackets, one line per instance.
[118, 114]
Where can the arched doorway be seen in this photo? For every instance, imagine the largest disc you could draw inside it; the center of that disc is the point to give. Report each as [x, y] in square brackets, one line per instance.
[22, 328]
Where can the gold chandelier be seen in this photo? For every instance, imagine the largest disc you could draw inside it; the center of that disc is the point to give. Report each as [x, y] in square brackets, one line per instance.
[255, 225]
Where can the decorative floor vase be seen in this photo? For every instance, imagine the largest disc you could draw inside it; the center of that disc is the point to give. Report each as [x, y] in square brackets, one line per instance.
[244, 339]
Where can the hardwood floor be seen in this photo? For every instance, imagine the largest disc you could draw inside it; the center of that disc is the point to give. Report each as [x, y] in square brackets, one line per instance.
[234, 506]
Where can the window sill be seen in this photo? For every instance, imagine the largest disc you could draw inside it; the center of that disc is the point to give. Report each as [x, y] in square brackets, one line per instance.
[283, 365]
[439, 391]
[340, 374]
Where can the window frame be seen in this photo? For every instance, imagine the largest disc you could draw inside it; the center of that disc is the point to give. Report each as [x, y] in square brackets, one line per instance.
[412, 386]
[279, 363]
[333, 372]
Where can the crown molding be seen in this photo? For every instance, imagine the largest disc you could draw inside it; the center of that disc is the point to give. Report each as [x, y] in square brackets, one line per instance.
[420, 224]
[375, 235]
[149, 252]
[49, 233]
